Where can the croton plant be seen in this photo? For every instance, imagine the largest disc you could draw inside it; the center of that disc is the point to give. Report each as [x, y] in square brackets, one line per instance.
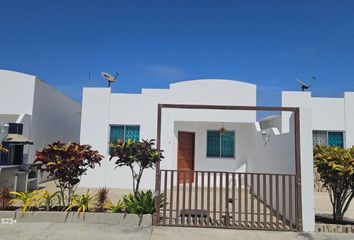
[66, 163]
[335, 166]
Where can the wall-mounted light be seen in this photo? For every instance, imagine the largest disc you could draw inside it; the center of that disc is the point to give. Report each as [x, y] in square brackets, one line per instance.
[265, 136]
[222, 130]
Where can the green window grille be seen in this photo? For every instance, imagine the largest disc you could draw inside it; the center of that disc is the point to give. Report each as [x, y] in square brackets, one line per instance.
[335, 139]
[117, 133]
[220, 145]
[132, 132]
[213, 144]
[124, 133]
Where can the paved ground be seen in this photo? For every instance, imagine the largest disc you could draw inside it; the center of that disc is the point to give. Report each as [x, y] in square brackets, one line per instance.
[59, 231]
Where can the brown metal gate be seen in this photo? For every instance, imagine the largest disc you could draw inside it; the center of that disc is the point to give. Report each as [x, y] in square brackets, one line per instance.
[228, 200]
[258, 200]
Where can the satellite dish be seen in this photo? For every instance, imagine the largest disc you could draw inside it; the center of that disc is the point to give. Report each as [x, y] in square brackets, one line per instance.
[110, 79]
[305, 86]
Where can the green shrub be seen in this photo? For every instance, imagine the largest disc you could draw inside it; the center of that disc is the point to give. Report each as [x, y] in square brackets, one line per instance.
[336, 169]
[27, 200]
[115, 208]
[142, 202]
[49, 200]
[81, 203]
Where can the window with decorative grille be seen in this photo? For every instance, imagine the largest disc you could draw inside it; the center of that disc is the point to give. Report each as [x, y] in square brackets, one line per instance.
[328, 138]
[220, 145]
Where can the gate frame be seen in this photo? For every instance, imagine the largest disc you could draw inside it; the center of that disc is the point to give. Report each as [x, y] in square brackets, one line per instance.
[295, 110]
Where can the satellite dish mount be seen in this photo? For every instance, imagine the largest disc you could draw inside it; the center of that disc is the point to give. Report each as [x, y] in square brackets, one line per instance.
[110, 78]
[305, 86]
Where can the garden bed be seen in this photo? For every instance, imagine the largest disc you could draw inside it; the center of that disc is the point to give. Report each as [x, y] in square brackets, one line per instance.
[144, 220]
[325, 223]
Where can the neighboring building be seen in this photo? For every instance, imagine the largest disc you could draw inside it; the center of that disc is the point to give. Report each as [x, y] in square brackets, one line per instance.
[200, 140]
[332, 118]
[32, 115]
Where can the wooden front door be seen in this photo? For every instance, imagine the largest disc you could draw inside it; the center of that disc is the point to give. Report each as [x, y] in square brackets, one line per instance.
[185, 155]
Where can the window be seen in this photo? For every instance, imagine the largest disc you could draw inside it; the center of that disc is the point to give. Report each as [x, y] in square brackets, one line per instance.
[124, 132]
[220, 145]
[328, 138]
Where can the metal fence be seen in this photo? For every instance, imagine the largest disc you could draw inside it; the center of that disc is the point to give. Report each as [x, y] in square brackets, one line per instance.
[228, 200]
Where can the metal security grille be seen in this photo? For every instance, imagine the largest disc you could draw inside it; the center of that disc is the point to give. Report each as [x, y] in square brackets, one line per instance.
[335, 139]
[123, 132]
[228, 200]
[220, 145]
[319, 138]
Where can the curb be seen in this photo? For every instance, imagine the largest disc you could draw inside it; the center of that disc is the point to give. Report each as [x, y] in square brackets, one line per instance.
[334, 228]
[72, 217]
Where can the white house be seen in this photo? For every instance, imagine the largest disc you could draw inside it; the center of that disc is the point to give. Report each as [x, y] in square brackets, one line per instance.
[332, 118]
[203, 139]
[38, 113]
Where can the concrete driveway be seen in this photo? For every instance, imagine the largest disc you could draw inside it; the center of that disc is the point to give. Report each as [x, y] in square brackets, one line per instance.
[77, 231]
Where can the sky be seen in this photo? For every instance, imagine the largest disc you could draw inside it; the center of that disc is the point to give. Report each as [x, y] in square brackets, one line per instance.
[154, 43]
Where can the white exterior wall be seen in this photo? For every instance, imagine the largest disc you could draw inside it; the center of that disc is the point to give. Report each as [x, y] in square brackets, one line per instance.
[47, 115]
[349, 118]
[16, 92]
[328, 114]
[102, 109]
[55, 117]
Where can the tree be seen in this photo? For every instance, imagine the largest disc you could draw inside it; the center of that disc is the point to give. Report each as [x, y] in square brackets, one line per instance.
[66, 163]
[336, 169]
[138, 156]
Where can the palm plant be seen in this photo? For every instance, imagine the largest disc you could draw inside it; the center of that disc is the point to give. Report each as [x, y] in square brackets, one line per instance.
[81, 202]
[26, 200]
[49, 200]
[115, 208]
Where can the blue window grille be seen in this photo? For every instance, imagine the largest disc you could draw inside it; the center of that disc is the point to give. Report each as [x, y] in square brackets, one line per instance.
[124, 133]
[335, 139]
[220, 145]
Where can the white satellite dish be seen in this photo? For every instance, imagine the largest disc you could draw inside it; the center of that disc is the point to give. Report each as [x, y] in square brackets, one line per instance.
[305, 86]
[110, 79]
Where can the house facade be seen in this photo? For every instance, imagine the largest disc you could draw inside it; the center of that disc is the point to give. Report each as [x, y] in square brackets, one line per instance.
[32, 115]
[199, 139]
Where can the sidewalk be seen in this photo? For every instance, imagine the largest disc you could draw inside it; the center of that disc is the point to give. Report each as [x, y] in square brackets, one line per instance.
[59, 231]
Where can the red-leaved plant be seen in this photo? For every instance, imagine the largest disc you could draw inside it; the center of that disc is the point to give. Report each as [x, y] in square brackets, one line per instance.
[5, 198]
[138, 156]
[66, 163]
